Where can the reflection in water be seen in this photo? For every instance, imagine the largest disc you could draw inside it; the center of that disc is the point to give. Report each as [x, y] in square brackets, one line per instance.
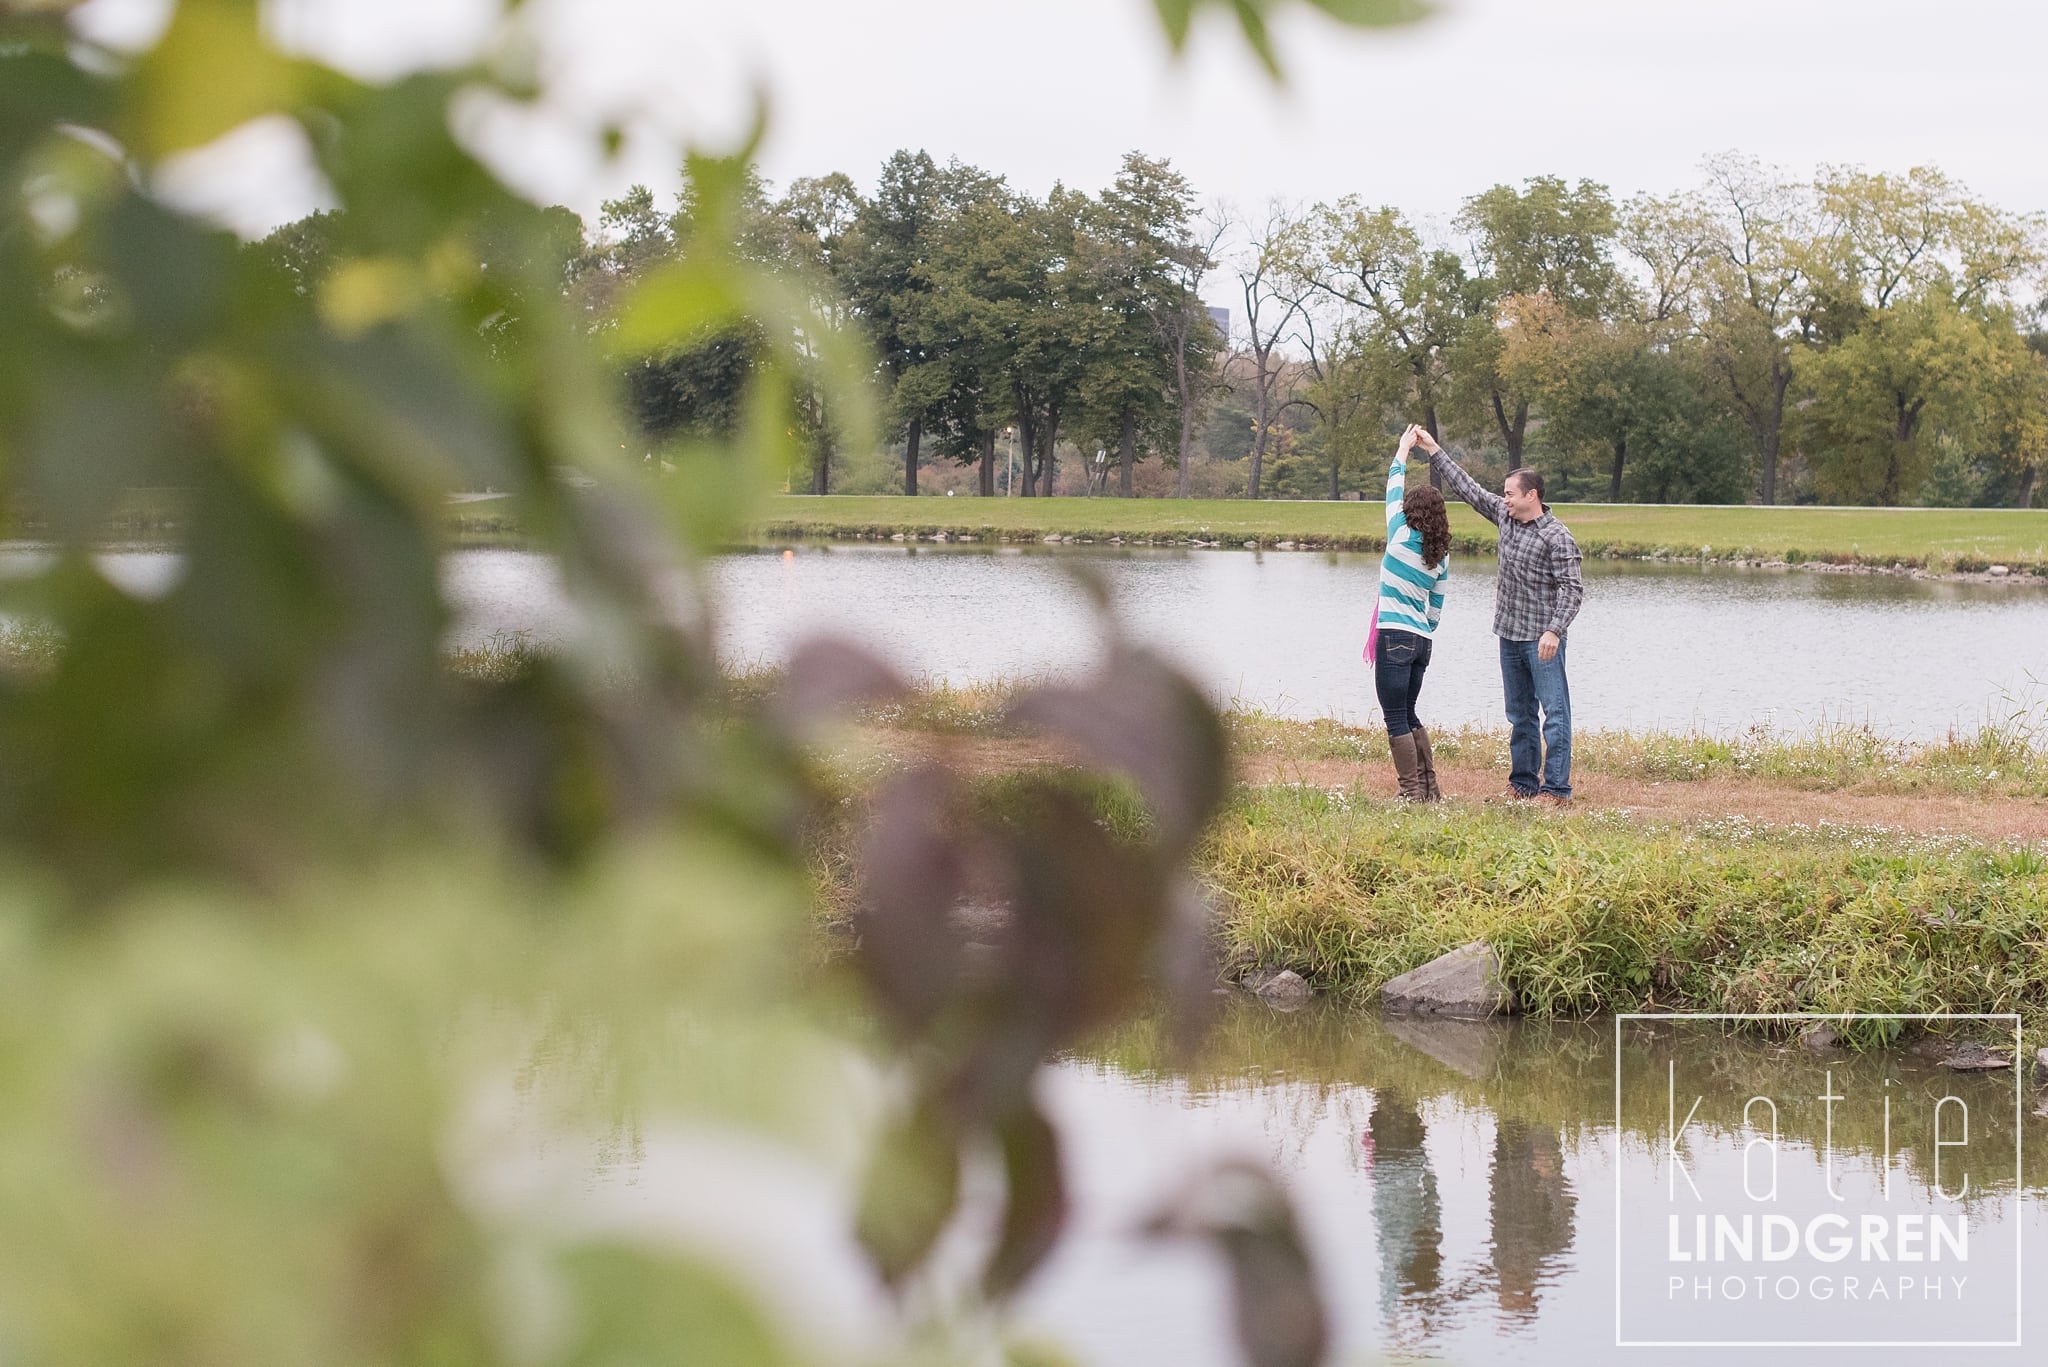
[1457, 1180]
[1531, 1208]
[1408, 1216]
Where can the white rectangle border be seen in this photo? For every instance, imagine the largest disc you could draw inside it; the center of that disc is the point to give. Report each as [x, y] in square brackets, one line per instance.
[2019, 1069]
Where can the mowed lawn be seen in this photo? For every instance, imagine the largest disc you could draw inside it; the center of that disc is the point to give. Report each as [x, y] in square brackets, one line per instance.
[1941, 535]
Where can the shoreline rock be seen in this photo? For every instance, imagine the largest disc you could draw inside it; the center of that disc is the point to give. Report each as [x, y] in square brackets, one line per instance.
[1282, 989]
[1466, 982]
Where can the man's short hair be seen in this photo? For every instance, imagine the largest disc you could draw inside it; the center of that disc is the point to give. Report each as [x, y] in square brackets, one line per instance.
[1528, 479]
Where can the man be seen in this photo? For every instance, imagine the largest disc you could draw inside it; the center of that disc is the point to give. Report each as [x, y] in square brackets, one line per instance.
[1535, 599]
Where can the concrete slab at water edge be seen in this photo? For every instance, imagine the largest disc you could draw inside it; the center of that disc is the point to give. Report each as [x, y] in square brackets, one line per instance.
[1465, 982]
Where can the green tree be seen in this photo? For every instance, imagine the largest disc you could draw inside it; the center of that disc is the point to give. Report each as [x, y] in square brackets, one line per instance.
[1349, 391]
[1914, 281]
[1137, 254]
[1640, 402]
[1546, 239]
[1411, 304]
[954, 379]
[1018, 314]
[888, 279]
[302, 253]
[1754, 307]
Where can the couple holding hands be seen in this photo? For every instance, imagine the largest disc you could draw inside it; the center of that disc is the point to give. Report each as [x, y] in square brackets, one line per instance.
[1535, 599]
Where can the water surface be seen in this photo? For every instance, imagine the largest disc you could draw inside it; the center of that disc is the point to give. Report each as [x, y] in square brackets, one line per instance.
[1655, 647]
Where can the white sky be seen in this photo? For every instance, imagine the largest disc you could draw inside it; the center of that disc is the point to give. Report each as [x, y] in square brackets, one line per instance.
[1629, 92]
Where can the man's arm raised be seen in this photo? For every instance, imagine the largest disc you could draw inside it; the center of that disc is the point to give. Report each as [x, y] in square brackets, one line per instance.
[1484, 501]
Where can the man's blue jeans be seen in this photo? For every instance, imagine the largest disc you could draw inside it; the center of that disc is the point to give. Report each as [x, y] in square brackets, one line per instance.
[1530, 684]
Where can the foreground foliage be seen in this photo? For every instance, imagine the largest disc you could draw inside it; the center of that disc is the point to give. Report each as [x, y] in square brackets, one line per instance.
[314, 950]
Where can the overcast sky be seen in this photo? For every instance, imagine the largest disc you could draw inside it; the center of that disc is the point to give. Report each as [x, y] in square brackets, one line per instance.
[1628, 92]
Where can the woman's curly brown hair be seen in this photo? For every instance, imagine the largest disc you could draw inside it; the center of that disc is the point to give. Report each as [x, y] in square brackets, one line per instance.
[1423, 506]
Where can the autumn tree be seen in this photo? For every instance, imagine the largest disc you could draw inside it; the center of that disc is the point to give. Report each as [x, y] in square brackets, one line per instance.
[1631, 393]
[1545, 239]
[1914, 282]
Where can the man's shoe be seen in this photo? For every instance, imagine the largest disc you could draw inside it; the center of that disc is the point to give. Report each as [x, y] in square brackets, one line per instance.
[1551, 800]
[1511, 795]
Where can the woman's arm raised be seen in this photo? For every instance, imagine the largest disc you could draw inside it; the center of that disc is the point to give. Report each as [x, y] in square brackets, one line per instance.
[1397, 481]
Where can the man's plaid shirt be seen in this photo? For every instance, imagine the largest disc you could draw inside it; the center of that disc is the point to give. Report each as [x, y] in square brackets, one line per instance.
[1539, 588]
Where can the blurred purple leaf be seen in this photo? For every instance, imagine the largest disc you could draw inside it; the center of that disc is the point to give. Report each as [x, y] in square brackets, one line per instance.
[1185, 953]
[1143, 718]
[913, 867]
[1035, 1207]
[1240, 1209]
[829, 674]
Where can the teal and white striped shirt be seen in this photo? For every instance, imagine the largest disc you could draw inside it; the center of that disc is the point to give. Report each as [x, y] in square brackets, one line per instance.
[1411, 593]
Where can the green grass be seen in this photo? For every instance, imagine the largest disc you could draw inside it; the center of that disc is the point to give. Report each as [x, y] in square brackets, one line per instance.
[1593, 913]
[1940, 539]
[1596, 913]
[1934, 538]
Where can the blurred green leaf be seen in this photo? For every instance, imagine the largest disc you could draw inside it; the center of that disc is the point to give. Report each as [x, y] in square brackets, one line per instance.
[910, 1191]
[679, 303]
[212, 72]
[1375, 13]
[636, 1309]
[1251, 19]
[1177, 18]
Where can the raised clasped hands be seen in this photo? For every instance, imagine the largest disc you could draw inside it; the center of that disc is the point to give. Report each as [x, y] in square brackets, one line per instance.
[1409, 438]
[1424, 440]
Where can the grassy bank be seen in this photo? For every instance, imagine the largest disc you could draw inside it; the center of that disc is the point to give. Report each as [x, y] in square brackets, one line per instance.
[1940, 539]
[1595, 912]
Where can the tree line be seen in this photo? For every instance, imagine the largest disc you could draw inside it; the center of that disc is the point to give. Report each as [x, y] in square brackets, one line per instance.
[1853, 337]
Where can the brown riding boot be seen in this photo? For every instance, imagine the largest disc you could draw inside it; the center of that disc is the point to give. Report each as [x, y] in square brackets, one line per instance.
[1426, 762]
[1407, 766]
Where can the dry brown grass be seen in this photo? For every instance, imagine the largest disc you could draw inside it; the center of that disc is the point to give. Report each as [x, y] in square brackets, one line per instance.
[1760, 801]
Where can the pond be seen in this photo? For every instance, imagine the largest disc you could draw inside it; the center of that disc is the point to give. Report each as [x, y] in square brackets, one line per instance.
[1471, 1192]
[1464, 1191]
[1656, 646]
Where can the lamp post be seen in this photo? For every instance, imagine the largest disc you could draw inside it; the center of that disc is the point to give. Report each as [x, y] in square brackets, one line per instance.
[1101, 481]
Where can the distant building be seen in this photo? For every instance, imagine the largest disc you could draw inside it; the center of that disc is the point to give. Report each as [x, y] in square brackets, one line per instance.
[1221, 318]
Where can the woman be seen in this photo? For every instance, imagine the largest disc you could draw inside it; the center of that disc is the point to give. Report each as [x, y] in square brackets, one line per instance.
[1412, 574]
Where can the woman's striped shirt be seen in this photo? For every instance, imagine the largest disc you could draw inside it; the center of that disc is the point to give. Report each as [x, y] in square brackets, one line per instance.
[1411, 593]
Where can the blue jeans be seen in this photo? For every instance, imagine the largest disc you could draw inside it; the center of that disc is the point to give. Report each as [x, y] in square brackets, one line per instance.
[1400, 658]
[1530, 684]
